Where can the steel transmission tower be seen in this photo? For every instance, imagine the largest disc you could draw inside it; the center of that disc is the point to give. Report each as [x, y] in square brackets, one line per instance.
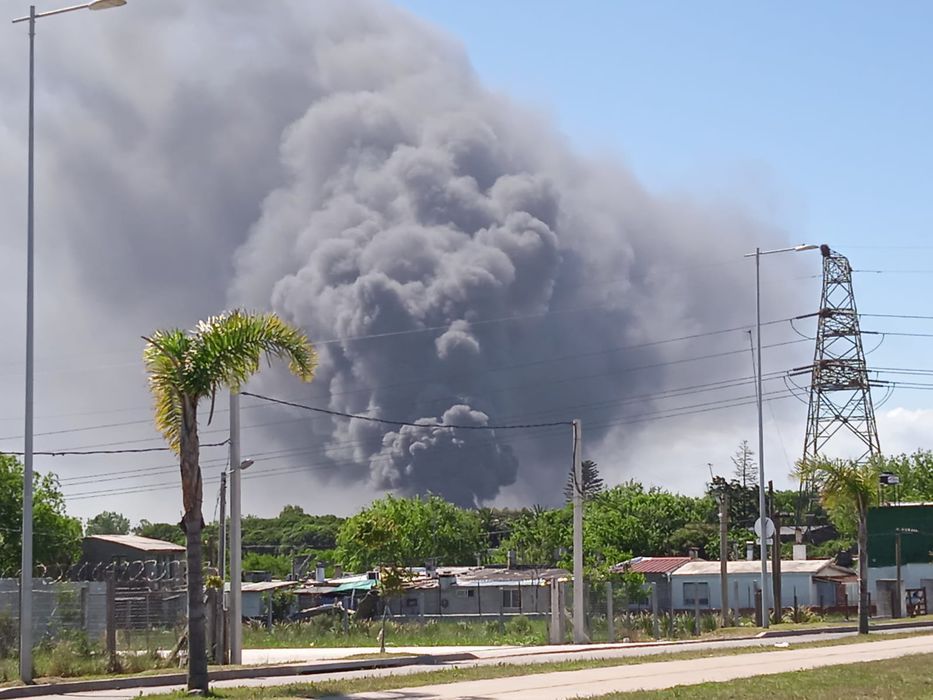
[840, 390]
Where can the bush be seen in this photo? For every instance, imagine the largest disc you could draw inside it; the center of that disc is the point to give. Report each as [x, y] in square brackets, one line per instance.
[9, 637]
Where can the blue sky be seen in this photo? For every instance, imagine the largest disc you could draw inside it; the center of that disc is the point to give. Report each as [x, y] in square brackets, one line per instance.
[815, 116]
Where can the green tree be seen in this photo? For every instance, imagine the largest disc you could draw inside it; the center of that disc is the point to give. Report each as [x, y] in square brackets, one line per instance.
[56, 536]
[630, 518]
[108, 523]
[592, 482]
[915, 472]
[540, 537]
[166, 532]
[746, 469]
[184, 369]
[278, 565]
[401, 532]
[848, 489]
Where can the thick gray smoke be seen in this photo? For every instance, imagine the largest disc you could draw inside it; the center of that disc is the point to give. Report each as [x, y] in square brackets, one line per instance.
[340, 163]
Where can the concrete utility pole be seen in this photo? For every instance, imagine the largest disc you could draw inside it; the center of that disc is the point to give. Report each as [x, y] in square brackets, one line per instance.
[579, 614]
[724, 554]
[236, 545]
[220, 645]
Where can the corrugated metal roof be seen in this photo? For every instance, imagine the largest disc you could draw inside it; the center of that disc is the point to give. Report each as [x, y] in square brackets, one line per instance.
[824, 567]
[652, 565]
[263, 586]
[144, 544]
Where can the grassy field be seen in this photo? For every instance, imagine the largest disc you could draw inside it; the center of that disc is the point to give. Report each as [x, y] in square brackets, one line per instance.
[327, 631]
[907, 678]
[471, 673]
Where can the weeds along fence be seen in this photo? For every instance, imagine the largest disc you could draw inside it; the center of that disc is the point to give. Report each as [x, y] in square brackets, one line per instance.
[107, 615]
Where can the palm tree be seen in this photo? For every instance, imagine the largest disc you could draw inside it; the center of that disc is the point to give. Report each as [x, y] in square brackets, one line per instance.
[848, 486]
[184, 368]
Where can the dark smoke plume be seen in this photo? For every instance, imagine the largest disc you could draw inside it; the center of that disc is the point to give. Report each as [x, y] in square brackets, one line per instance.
[341, 163]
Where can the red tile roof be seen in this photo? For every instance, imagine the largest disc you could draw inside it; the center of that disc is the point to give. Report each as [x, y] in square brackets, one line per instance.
[652, 565]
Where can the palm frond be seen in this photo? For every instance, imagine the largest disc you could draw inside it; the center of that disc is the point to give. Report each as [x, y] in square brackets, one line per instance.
[226, 350]
[164, 358]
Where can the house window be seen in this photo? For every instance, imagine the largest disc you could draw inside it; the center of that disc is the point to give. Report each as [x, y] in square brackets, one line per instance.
[694, 590]
[511, 598]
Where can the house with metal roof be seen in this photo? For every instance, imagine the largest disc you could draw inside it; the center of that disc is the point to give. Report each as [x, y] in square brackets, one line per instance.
[657, 572]
[478, 591]
[131, 557]
[810, 582]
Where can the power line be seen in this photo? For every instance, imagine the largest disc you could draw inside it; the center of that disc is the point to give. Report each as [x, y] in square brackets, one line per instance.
[138, 450]
[499, 368]
[384, 421]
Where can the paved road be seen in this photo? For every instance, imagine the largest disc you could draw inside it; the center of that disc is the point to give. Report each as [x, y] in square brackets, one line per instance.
[656, 675]
[485, 656]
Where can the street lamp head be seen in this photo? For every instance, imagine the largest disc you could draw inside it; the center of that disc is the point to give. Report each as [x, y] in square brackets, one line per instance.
[806, 246]
[246, 464]
[105, 4]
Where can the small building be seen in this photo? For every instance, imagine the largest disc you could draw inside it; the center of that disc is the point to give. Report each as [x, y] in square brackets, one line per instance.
[131, 557]
[657, 572]
[256, 597]
[813, 582]
[912, 524]
[478, 591]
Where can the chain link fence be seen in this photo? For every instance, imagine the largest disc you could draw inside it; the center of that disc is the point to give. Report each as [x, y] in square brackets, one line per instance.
[93, 626]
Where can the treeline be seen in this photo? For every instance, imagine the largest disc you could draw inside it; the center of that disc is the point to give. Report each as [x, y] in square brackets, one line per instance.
[623, 521]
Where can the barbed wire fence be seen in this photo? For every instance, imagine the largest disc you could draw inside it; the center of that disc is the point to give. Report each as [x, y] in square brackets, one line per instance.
[122, 607]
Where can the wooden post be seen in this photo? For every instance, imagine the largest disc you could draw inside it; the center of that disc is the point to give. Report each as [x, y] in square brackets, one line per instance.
[655, 620]
[610, 617]
[775, 556]
[696, 607]
[724, 555]
[896, 608]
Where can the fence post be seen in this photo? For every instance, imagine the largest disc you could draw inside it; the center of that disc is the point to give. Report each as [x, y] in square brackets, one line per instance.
[211, 624]
[84, 595]
[557, 613]
[696, 608]
[610, 617]
[655, 620]
[111, 617]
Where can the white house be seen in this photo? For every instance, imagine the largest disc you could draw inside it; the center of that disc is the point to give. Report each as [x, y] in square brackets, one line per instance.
[814, 582]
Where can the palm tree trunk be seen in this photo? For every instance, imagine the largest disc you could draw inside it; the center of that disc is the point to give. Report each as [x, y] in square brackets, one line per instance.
[863, 594]
[193, 523]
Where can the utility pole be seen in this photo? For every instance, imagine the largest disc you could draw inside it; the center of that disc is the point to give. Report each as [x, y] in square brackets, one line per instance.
[896, 612]
[236, 545]
[220, 645]
[579, 614]
[775, 555]
[724, 554]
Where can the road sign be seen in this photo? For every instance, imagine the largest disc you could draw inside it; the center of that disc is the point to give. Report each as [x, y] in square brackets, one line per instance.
[769, 528]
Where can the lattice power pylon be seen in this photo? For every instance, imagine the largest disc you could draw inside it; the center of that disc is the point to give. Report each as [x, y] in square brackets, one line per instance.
[840, 389]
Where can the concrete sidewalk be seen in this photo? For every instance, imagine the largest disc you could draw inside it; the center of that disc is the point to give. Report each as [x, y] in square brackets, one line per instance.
[281, 666]
[566, 685]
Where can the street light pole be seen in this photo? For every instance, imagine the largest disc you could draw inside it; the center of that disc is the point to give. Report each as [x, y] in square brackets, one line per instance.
[25, 581]
[762, 508]
[26, 563]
